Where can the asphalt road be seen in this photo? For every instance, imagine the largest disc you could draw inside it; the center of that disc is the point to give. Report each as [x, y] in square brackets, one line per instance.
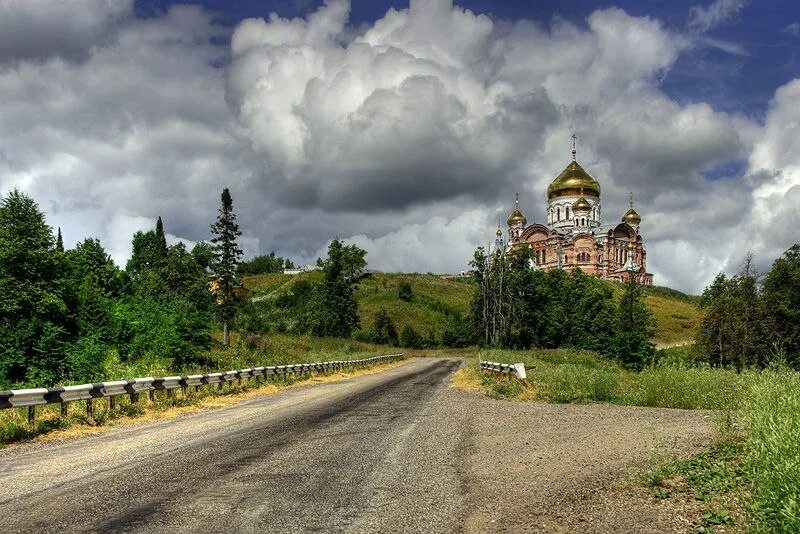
[396, 451]
[362, 455]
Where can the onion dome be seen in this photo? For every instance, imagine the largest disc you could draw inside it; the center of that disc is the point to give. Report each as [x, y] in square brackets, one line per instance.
[499, 232]
[516, 216]
[631, 217]
[571, 181]
[581, 205]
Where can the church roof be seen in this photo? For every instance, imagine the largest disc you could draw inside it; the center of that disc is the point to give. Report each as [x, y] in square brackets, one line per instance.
[631, 217]
[517, 216]
[570, 182]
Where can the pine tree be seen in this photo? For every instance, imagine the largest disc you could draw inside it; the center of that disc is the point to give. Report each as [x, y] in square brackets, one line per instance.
[161, 244]
[337, 309]
[59, 241]
[226, 257]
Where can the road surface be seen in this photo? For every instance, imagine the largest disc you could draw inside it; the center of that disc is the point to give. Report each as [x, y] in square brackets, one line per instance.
[396, 451]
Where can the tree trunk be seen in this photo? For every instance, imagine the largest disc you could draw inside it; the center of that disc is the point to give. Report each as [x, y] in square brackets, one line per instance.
[226, 334]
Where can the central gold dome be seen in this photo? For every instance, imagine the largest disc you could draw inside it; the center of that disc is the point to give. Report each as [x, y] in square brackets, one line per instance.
[571, 181]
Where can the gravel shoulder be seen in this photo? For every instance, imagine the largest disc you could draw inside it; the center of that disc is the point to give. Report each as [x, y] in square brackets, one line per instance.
[397, 451]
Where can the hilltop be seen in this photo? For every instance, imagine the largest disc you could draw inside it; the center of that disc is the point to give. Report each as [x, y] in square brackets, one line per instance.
[438, 298]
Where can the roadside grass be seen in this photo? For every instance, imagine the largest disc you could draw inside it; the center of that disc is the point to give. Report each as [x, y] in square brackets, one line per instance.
[49, 422]
[575, 376]
[749, 478]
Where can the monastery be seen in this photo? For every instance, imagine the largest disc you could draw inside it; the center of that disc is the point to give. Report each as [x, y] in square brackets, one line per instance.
[574, 235]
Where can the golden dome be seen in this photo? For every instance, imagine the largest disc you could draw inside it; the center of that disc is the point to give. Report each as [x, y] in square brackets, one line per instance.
[517, 217]
[499, 232]
[571, 181]
[631, 217]
[581, 205]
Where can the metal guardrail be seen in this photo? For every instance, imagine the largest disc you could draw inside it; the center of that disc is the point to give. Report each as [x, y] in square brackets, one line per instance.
[20, 398]
[509, 369]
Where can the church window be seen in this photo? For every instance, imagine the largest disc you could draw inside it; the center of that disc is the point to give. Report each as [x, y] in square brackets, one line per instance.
[558, 214]
[567, 210]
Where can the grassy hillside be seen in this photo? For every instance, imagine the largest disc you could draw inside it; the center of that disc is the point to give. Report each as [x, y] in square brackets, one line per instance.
[438, 298]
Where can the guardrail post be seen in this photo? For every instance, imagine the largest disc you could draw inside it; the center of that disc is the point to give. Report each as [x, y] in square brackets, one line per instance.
[89, 407]
[112, 402]
[151, 395]
[31, 414]
[64, 409]
[220, 385]
[183, 392]
[134, 398]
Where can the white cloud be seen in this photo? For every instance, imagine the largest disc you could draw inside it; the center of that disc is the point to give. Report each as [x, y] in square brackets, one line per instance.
[409, 136]
[702, 19]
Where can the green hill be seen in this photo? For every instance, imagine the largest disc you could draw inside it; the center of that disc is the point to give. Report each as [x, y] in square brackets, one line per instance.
[438, 298]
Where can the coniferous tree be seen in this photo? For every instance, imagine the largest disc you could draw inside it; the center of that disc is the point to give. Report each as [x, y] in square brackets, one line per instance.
[161, 242]
[336, 312]
[226, 258]
[59, 241]
[34, 317]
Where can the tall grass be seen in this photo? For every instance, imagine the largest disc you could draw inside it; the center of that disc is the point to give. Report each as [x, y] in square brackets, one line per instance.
[582, 376]
[772, 418]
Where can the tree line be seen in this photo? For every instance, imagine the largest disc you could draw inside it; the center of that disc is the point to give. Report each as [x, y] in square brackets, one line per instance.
[752, 319]
[64, 313]
[515, 306]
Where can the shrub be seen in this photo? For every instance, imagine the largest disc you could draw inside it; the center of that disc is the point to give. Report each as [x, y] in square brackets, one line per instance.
[404, 292]
[458, 334]
[383, 330]
[410, 338]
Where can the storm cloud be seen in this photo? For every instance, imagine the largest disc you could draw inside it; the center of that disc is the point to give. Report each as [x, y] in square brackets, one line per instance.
[408, 136]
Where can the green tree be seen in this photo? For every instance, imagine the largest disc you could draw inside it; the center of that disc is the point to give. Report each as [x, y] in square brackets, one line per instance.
[59, 241]
[734, 331]
[145, 255]
[226, 257]
[631, 345]
[404, 292]
[203, 254]
[161, 239]
[782, 305]
[336, 312]
[383, 329]
[34, 323]
[267, 263]
[410, 338]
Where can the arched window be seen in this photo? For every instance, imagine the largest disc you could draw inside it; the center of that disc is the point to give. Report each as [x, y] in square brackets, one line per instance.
[583, 221]
[567, 211]
[558, 214]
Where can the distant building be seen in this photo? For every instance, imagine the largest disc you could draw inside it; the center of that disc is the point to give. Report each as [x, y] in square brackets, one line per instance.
[574, 235]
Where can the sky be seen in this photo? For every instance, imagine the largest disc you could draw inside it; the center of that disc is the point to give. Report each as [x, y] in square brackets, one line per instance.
[406, 128]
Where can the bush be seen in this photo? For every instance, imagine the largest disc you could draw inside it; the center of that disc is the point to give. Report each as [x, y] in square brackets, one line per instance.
[458, 334]
[404, 292]
[86, 360]
[383, 330]
[410, 338]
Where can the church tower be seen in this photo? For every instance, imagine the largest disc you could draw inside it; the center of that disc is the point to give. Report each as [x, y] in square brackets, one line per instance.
[516, 221]
[573, 186]
[631, 217]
